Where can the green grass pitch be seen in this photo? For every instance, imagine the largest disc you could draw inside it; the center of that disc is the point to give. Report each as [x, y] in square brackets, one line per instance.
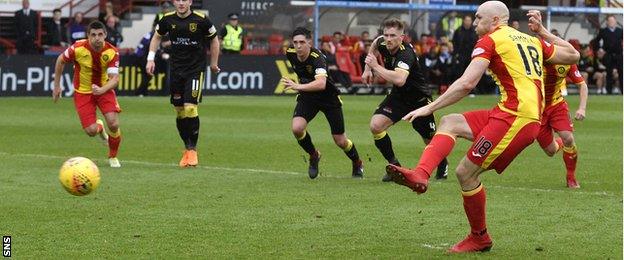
[251, 197]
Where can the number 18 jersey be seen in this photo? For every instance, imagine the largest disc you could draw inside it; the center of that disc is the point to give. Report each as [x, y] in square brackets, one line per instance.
[516, 61]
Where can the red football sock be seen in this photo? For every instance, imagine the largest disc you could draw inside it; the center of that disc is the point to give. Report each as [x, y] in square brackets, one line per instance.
[569, 158]
[114, 139]
[438, 149]
[474, 205]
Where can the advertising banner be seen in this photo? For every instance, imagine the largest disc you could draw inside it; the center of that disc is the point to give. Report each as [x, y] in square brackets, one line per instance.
[30, 75]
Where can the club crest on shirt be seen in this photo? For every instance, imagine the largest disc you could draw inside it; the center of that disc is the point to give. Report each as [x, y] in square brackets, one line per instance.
[105, 58]
[309, 68]
[192, 27]
[561, 70]
[195, 93]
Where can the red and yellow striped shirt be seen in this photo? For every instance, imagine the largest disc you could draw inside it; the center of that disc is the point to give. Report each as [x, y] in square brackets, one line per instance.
[555, 80]
[516, 65]
[91, 67]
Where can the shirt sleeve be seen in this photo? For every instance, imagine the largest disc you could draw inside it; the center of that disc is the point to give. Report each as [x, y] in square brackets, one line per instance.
[113, 65]
[320, 66]
[484, 48]
[547, 49]
[575, 74]
[162, 28]
[405, 59]
[209, 29]
[69, 55]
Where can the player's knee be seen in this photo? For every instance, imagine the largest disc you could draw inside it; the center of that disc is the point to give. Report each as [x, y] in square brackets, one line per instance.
[568, 140]
[113, 125]
[549, 152]
[340, 140]
[298, 131]
[376, 128]
[91, 130]
[190, 111]
[180, 112]
[448, 123]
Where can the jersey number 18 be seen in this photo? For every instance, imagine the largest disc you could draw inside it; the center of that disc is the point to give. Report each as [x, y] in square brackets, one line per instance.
[535, 59]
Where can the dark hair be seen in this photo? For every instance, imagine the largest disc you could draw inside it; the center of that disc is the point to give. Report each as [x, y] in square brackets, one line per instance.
[301, 31]
[365, 32]
[56, 10]
[95, 25]
[395, 23]
[337, 32]
[610, 16]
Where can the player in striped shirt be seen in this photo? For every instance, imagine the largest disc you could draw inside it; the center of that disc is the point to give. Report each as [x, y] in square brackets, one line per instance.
[556, 116]
[96, 75]
[515, 61]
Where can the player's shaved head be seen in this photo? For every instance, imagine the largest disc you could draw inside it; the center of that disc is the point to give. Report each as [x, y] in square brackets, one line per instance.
[495, 9]
[489, 16]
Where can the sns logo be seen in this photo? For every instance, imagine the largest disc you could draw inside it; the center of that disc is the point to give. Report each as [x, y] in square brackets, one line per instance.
[6, 246]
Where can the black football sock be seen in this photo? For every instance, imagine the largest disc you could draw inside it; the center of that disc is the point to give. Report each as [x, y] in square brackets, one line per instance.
[182, 130]
[306, 143]
[193, 131]
[351, 152]
[384, 144]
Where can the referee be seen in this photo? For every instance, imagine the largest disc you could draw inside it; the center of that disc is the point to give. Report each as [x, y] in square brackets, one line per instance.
[190, 32]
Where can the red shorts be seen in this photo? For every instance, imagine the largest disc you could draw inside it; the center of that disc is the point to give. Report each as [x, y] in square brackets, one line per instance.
[556, 118]
[498, 137]
[86, 103]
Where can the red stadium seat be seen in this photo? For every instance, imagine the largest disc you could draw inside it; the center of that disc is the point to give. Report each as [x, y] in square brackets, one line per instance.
[275, 44]
[343, 60]
[576, 43]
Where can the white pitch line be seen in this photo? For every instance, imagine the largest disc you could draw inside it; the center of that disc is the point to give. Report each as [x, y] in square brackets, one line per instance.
[598, 193]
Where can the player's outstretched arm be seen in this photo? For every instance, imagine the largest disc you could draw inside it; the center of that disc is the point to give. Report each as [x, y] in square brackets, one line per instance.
[58, 70]
[154, 43]
[459, 89]
[214, 55]
[318, 84]
[583, 93]
[565, 53]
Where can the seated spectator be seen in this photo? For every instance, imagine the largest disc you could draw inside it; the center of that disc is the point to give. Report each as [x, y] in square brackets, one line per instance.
[441, 71]
[334, 72]
[112, 35]
[429, 65]
[600, 71]
[336, 42]
[445, 40]
[76, 30]
[109, 12]
[360, 45]
[367, 45]
[55, 30]
[586, 64]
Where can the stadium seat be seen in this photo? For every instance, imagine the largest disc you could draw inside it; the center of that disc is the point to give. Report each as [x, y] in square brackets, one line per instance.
[275, 44]
[343, 60]
[576, 43]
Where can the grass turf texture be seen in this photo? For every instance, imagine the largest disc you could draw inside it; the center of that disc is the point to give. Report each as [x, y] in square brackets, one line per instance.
[251, 197]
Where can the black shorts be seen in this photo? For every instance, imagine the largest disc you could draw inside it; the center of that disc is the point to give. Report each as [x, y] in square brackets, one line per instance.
[396, 108]
[332, 108]
[186, 88]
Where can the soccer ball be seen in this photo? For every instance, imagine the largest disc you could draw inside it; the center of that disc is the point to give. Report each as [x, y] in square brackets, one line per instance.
[79, 176]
